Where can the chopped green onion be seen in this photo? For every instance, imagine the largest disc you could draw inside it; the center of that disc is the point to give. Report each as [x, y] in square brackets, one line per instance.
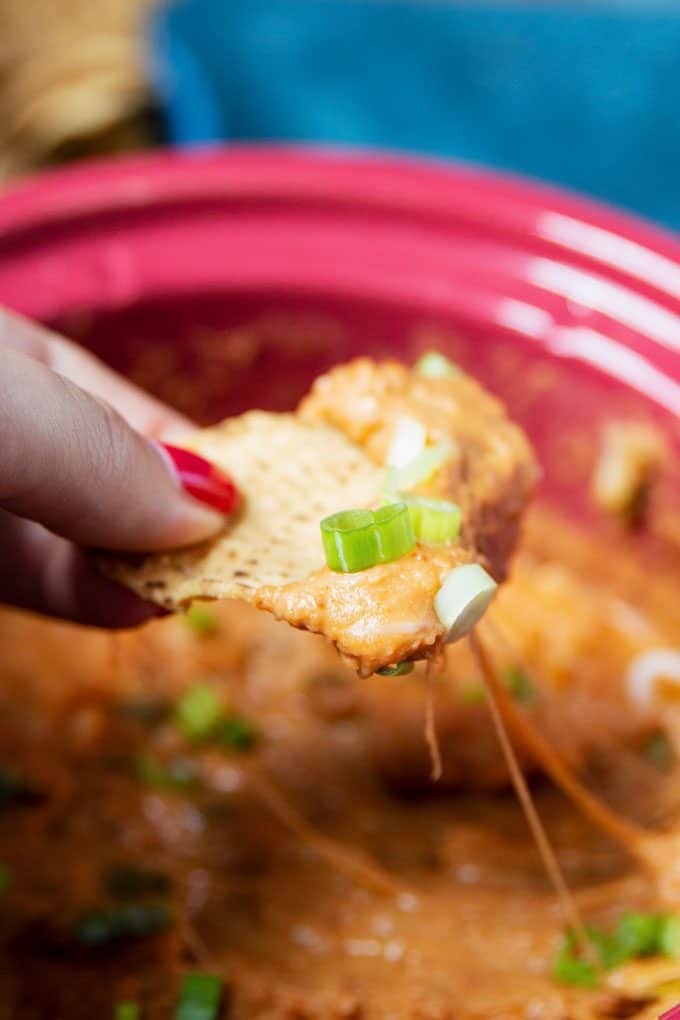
[198, 712]
[235, 732]
[127, 1010]
[199, 997]
[520, 686]
[570, 969]
[659, 750]
[200, 620]
[669, 937]
[100, 927]
[434, 365]
[5, 878]
[349, 540]
[463, 599]
[425, 465]
[127, 883]
[394, 531]
[639, 934]
[400, 669]
[610, 949]
[178, 774]
[357, 539]
[435, 521]
[410, 438]
[391, 485]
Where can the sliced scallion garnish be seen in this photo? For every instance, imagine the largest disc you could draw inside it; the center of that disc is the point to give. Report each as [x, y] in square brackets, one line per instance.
[349, 541]
[134, 920]
[200, 620]
[235, 733]
[394, 531]
[400, 669]
[425, 465]
[199, 997]
[127, 1010]
[669, 937]
[198, 712]
[178, 774]
[571, 969]
[434, 365]
[410, 438]
[636, 935]
[463, 599]
[659, 750]
[520, 686]
[358, 539]
[435, 521]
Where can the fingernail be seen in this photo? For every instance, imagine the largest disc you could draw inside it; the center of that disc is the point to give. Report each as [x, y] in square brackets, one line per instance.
[202, 480]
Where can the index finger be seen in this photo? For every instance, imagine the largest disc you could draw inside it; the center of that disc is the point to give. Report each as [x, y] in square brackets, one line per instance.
[142, 411]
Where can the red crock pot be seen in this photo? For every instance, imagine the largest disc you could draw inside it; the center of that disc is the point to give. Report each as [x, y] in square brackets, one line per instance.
[223, 280]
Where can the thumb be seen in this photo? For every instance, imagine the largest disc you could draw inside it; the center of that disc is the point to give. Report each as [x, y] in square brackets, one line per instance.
[71, 463]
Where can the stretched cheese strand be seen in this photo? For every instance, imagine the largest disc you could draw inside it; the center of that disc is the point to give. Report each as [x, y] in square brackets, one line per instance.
[633, 837]
[570, 911]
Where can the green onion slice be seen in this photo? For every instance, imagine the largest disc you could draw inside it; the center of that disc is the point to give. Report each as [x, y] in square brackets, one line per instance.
[178, 774]
[659, 750]
[132, 921]
[349, 540]
[409, 441]
[520, 686]
[127, 1010]
[390, 492]
[434, 365]
[200, 620]
[669, 936]
[198, 712]
[233, 732]
[435, 521]
[636, 935]
[463, 599]
[357, 539]
[570, 969]
[424, 465]
[400, 669]
[199, 997]
[394, 531]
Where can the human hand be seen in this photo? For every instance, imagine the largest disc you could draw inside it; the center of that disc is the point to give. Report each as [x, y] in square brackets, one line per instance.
[77, 470]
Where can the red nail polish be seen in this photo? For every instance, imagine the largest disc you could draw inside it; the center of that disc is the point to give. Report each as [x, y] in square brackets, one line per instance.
[671, 1014]
[203, 480]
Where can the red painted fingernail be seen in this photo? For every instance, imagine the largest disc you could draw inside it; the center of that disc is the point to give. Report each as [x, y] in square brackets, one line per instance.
[671, 1014]
[203, 480]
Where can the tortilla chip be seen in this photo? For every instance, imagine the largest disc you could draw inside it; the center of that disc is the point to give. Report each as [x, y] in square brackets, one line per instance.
[295, 469]
[291, 474]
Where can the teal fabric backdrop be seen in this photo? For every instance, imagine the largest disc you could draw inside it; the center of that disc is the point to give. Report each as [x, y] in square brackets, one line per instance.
[584, 95]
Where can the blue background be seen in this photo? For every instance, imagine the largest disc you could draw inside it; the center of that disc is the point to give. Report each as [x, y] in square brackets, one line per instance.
[587, 95]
